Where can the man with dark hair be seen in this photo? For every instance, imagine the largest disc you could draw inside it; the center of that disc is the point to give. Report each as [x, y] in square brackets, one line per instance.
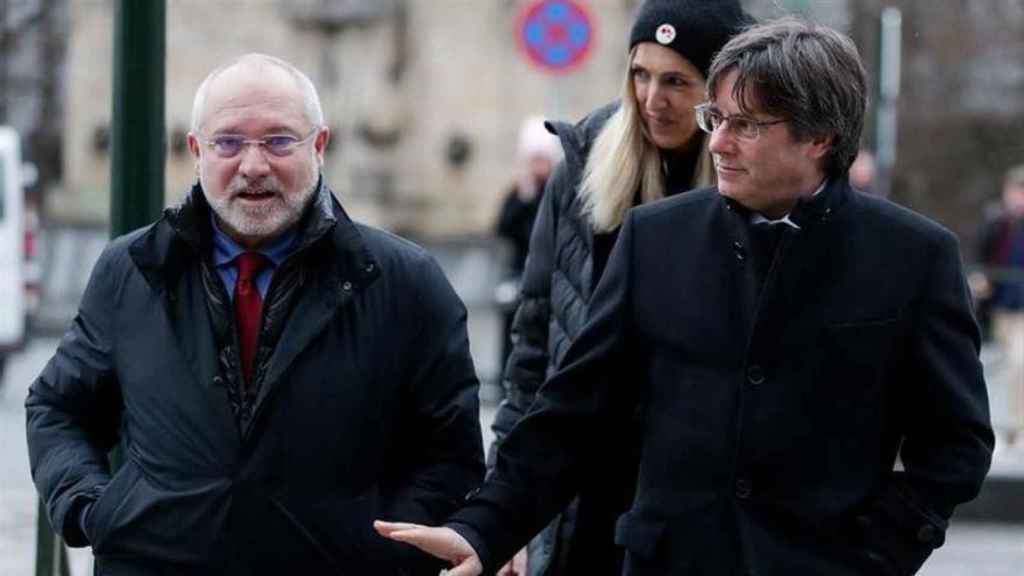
[276, 375]
[777, 384]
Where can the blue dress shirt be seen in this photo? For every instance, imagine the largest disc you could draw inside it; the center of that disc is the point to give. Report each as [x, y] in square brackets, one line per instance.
[226, 250]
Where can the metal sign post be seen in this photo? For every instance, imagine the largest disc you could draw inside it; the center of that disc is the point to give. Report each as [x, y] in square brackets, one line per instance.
[888, 97]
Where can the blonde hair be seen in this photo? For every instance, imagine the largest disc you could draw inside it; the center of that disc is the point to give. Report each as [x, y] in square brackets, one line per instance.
[624, 159]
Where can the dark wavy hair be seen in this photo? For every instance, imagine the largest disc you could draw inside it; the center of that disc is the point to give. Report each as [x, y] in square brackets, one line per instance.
[805, 73]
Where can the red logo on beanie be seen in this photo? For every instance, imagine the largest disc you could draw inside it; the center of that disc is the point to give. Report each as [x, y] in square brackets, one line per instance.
[666, 34]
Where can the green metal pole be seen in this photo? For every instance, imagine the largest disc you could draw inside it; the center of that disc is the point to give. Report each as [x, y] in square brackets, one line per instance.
[51, 558]
[137, 166]
[138, 136]
[138, 133]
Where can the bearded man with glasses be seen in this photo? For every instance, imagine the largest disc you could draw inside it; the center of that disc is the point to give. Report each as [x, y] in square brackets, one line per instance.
[777, 375]
[276, 375]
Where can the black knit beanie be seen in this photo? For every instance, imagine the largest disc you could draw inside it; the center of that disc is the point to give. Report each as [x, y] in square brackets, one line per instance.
[696, 29]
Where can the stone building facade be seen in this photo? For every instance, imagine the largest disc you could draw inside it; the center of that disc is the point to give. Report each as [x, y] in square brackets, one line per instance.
[424, 97]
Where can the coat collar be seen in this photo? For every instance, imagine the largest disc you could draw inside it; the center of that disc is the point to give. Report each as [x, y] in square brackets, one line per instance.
[576, 139]
[811, 211]
[182, 235]
[821, 208]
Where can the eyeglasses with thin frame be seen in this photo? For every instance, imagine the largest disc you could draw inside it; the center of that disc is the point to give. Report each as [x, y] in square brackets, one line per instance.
[279, 145]
[709, 119]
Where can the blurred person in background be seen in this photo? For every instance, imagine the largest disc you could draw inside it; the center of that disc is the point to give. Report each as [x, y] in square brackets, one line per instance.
[537, 152]
[862, 171]
[999, 288]
[641, 148]
[276, 375]
[777, 385]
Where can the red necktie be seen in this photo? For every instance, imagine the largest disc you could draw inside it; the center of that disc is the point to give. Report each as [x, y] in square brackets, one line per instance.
[248, 309]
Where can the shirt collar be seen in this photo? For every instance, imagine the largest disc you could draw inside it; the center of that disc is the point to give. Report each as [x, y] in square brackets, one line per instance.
[758, 218]
[225, 249]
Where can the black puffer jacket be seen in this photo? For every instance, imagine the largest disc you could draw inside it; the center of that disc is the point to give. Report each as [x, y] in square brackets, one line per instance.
[556, 287]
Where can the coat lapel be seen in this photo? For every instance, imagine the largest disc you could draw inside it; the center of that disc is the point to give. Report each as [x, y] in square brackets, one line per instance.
[170, 267]
[344, 267]
[743, 302]
[316, 305]
[801, 266]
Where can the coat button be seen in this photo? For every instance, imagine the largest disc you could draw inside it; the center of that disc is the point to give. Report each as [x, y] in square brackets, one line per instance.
[755, 374]
[738, 250]
[218, 381]
[346, 286]
[369, 268]
[743, 489]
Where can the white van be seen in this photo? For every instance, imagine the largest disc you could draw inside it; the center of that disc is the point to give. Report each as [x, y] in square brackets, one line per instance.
[12, 248]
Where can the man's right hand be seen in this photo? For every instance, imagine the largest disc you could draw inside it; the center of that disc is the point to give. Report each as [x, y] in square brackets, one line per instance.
[444, 543]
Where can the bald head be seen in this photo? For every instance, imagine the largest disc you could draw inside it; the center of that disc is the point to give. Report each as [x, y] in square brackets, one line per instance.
[256, 68]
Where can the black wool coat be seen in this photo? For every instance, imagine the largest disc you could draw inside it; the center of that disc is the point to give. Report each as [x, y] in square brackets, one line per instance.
[368, 409]
[772, 419]
[557, 284]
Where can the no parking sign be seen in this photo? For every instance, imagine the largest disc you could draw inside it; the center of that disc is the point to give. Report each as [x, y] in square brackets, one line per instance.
[555, 35]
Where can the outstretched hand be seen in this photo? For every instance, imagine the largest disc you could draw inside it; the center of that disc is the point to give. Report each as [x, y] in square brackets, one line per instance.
[444, 543]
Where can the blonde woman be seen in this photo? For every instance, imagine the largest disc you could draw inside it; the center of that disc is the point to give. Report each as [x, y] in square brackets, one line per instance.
[642, 148]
